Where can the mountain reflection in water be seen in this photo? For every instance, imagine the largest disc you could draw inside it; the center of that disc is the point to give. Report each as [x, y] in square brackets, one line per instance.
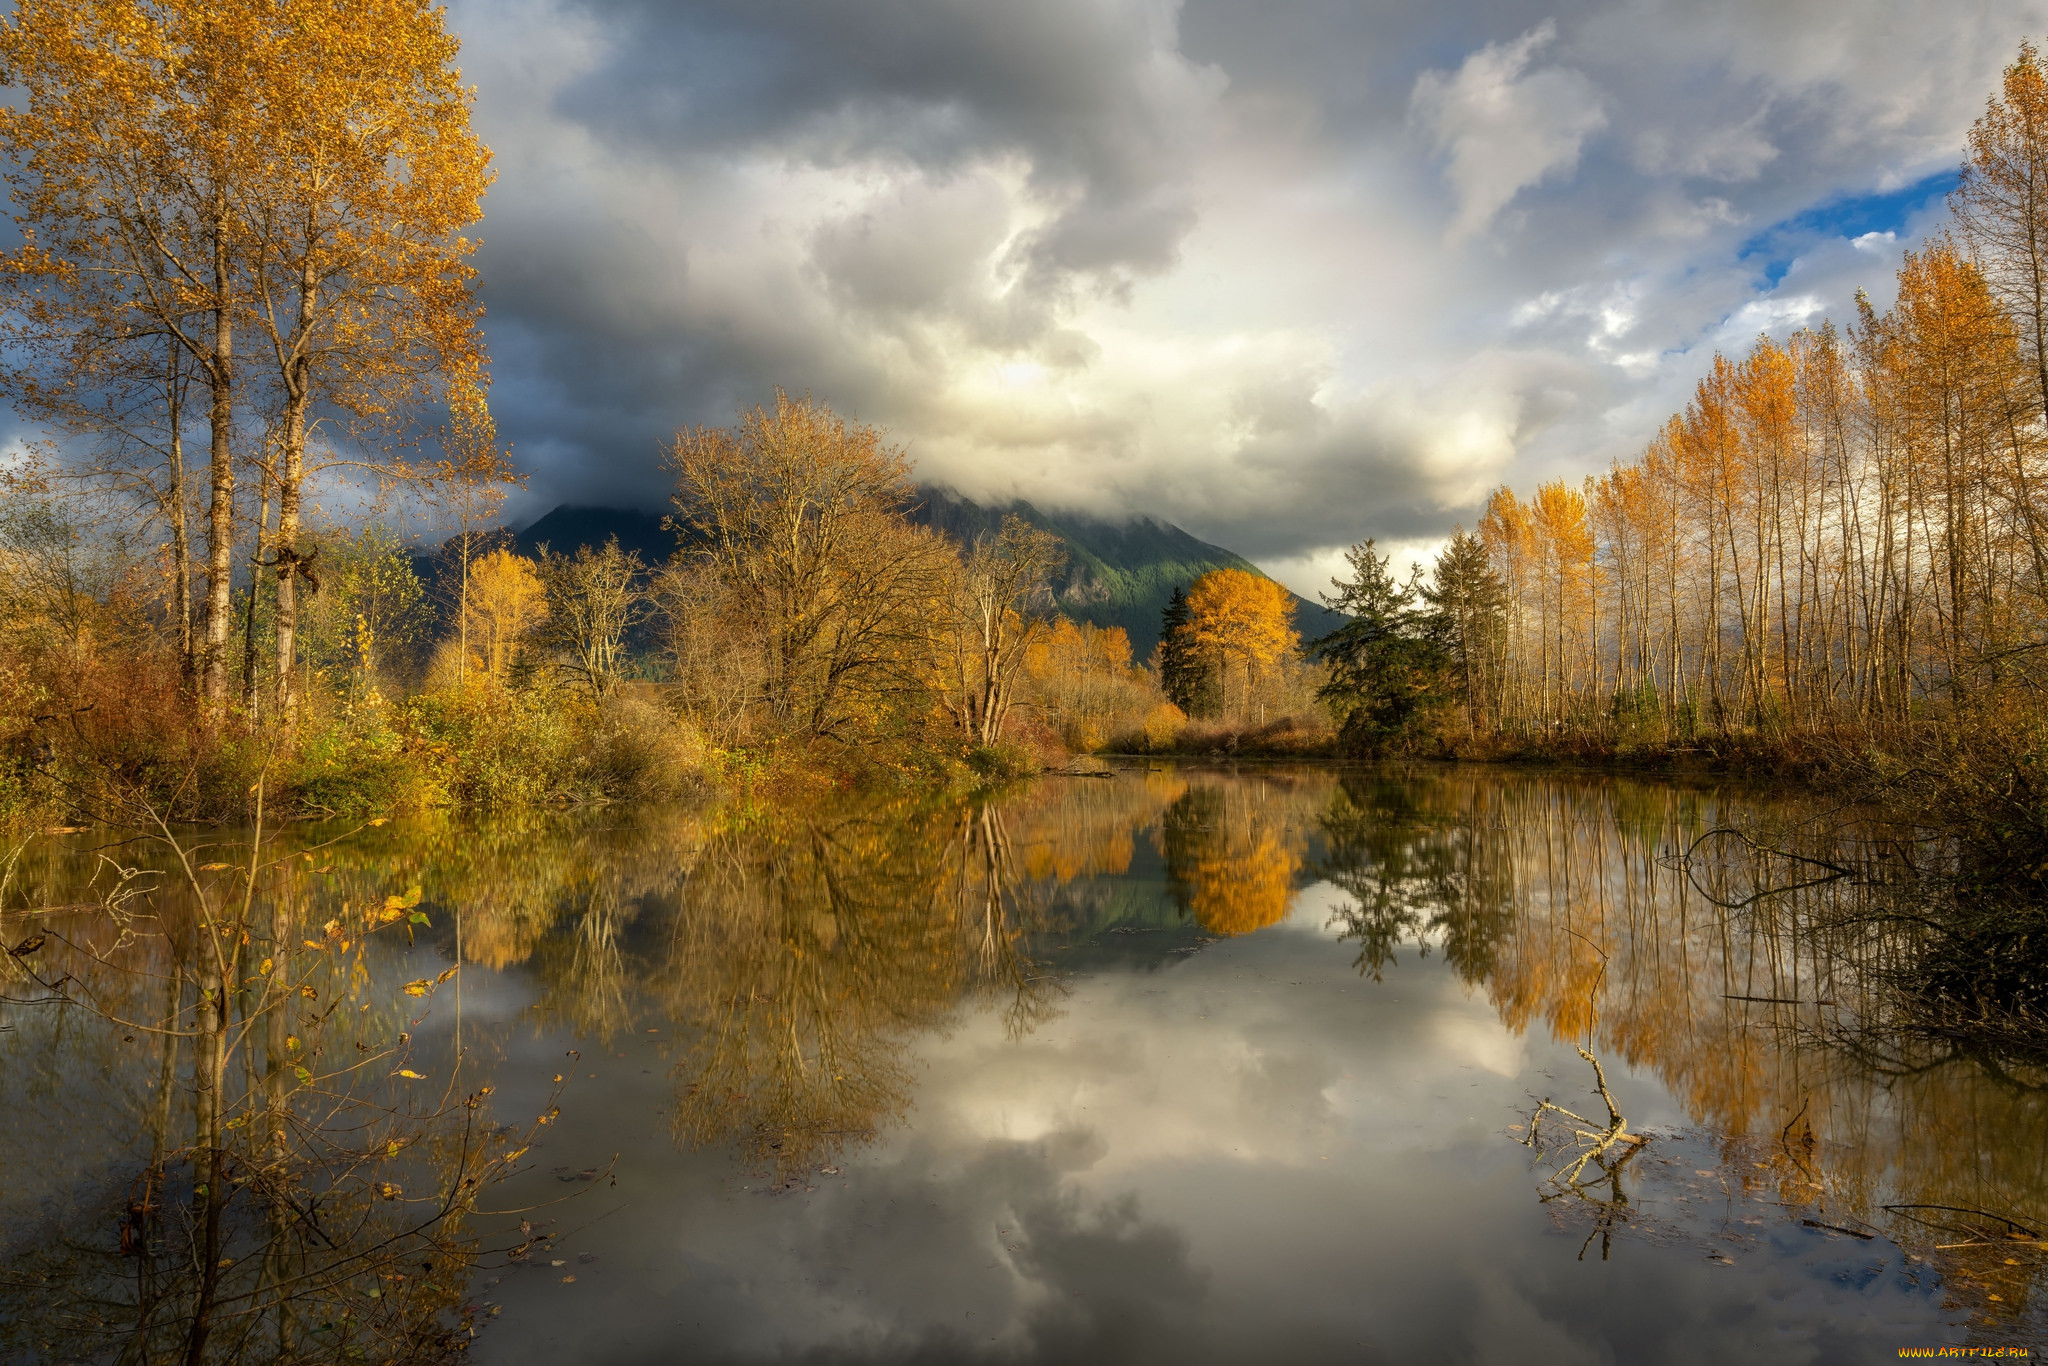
[1203, 1065]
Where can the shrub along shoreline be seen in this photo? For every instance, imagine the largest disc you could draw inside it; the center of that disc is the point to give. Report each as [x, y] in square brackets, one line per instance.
[806, 635]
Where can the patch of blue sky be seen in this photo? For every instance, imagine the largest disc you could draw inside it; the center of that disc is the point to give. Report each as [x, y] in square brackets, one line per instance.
[1847, 217]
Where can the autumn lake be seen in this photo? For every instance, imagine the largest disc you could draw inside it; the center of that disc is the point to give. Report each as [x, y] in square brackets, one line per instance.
[1158, 1064]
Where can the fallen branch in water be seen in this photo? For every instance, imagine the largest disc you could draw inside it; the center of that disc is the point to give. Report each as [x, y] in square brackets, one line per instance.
[1597, 1141]
[1774, 1000]
[1837, 1228]
[2012, 1226]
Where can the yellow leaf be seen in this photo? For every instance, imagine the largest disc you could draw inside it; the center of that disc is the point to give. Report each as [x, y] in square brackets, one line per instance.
[446, 975]
[408, 1072]
[265, 969]
[380, 820]
[418, 988]
[213, 867]
[312, 944]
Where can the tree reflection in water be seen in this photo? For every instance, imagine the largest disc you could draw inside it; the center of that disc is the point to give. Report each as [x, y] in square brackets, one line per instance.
[266, 1174]
[794, 955]
[795, 960]
[1761, 992]
[1234, 852]
[798, 956]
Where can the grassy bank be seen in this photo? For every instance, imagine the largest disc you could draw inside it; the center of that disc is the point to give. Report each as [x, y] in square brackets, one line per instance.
[130, 746]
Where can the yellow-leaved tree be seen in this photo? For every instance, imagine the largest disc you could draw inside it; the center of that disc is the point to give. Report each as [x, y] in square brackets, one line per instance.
[1000, 606]
[505, 601]
[1231, 861]
[361, 281]
[129, 152]
[188, 172]
[1243, 623]
[798, 562]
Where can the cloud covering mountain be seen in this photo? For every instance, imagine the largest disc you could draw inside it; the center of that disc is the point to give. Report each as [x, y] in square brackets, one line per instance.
[1286, 275]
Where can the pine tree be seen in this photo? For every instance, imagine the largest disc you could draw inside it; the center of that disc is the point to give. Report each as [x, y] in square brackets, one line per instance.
[1183, 675]
[1467, 622]
[1387, 675]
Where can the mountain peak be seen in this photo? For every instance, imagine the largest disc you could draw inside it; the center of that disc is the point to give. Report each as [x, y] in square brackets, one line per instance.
[1118, 572]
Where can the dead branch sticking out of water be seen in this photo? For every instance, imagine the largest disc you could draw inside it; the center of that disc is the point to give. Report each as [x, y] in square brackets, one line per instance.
[1590, 1143]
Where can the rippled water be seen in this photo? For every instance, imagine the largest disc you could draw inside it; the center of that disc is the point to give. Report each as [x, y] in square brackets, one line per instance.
[1182, 1065]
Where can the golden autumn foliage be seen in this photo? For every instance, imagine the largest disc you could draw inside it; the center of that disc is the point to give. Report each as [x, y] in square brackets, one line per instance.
[1000, 599]
[1082, 680]
[1232, 857]
[1843, 530]
[361, 286]
[815, 595]
[1837, 529]
[1243, 623]
[505, 603]
[190, 178]
[123, 156]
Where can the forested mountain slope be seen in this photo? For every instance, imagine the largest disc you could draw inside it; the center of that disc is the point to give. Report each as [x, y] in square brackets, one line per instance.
[1117, 573]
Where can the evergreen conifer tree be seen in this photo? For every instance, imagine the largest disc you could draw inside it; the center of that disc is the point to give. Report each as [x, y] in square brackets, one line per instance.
[1183, 674]
[1467, 621]
[1386, 671]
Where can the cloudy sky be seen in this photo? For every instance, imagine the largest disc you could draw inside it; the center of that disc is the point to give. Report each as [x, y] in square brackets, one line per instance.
[1287, 274]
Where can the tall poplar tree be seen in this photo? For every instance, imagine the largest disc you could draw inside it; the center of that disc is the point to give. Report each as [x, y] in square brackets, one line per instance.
[2001, 203]
[361, 281]
[189, 172]
[128, 155]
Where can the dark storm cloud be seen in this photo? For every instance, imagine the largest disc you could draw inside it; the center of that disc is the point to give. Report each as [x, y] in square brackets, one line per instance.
[1289, 274]
[605, 341]
[1090, 97]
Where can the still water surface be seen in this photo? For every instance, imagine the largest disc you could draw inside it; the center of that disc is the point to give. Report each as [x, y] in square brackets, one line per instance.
[1178, 1065]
